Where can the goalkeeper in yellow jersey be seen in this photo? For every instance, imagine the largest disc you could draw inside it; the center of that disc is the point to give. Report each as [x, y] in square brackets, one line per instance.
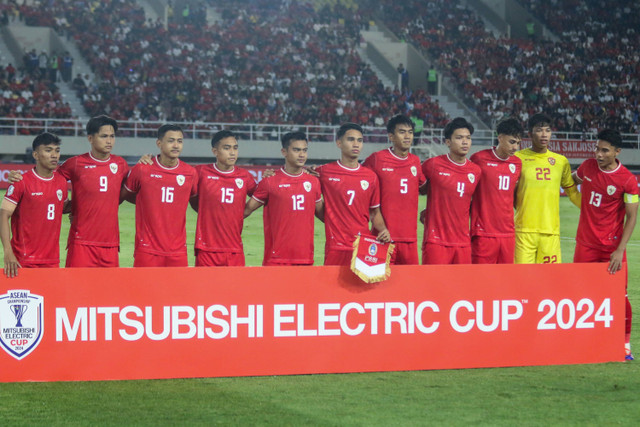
[537, 200]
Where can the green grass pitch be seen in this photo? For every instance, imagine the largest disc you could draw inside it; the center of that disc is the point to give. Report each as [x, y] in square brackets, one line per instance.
[603, 394]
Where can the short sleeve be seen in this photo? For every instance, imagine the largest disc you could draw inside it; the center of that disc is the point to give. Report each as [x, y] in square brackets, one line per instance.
[132, 182]
[261, 193]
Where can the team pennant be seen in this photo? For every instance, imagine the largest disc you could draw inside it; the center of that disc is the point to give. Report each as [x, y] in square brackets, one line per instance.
[371, 259]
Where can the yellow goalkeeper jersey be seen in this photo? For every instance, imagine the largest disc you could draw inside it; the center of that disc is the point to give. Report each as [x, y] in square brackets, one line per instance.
[538, 191]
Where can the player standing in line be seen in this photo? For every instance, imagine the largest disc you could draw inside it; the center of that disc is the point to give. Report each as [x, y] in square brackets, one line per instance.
[400, 176]
[608, 212]
[492, 230]
[31, 211]
[537, 218]
[162, 190]
[96, 179]
[291, 196]
[222, 195]
[451, 182]
[351, 196]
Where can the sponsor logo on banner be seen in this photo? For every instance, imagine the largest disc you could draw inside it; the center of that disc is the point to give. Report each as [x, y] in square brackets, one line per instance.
[471, 177]
[364, 184]
[180, 180]
[239, 182]
[552, 161]
[512, 168]
[21, 322]
[414, 171]
[611, 190]
[113, 167]
[307, 186]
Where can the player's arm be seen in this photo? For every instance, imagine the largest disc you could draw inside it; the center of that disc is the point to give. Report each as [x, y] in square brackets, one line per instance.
[576, 178]
[574, 195]
[14, 176]
[11, 263]
[422, 190]
[127, 195]
[251, 206]
[66, 208]
[195, 202]
[631, 214]
[378, 223]
[320, 210]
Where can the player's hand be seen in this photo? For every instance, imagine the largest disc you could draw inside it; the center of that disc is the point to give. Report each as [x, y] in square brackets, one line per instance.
[14, 176]
[146, 159]
[268, 172]
[423, 212]
[312, 170]
[384, 236]
[11, 265]
[615, 261]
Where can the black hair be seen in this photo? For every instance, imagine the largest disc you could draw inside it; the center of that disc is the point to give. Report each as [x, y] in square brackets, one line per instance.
[345, 127]
[95, 123]
[162, 130]
[45, 138]
[457, 123]
[612, 136]
[220, 135]
[289, 137]
[399, 119]
[511, 127]
[539, 119]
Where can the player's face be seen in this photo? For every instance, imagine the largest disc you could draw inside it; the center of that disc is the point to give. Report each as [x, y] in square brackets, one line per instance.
[540, 137]
[507, 145]
[460, 142]
[226, 153]
[402, 137]
[47, 156]
[606, 155]
[102, 141]
[296, 153]
[351, 144]
[171, 144]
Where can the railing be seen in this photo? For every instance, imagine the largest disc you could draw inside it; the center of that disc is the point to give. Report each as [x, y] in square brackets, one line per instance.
[256, 131]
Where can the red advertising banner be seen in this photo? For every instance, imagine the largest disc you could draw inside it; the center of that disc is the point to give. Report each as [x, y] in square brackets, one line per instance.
[570, 148]
[91, 324]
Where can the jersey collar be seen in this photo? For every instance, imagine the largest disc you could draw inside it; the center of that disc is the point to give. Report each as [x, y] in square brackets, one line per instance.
[215, 166]
[457, 164]
[349, 169]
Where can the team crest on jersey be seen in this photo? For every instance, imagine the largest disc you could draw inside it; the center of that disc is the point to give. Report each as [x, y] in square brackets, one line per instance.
[10, 190]
[239, 182]
[414, 171]
[512, 168]
[611, 190]
[113, 167]
[21, 322]
[59, 194]
[180, 179]
[472, 178]
[364, 184]
[552, 161]
[307, 186]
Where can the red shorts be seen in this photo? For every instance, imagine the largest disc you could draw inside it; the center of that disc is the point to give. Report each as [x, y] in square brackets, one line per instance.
[91, 256]
[493, 250]
[337, 257]
[144, 259]
[438, 254]
[405, 253]
[587, 254]
[27, 265]
[219, 259]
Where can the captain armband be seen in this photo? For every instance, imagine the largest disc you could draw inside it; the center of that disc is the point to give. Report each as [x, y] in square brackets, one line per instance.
[630, 198]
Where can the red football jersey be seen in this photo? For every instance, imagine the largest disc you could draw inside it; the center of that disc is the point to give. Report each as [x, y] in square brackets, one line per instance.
[399, 180]
[222, 197]
[161, 205]
[289, 209]
[602, 211]
[449, 191]
[35, 223]
[348, 196]
[492, 204]
[95, 198]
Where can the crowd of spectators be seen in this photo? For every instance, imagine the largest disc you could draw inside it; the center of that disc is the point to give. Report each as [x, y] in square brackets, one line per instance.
[265, 62]
[587, 80]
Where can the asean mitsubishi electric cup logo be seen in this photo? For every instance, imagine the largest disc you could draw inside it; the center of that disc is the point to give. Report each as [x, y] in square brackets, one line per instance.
[21, 324]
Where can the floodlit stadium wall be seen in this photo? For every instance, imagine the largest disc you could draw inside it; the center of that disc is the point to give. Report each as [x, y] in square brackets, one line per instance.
[128, 323]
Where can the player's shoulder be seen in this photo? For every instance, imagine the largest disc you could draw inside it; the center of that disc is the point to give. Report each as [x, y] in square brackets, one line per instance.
[472, 167]
[244, 173]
